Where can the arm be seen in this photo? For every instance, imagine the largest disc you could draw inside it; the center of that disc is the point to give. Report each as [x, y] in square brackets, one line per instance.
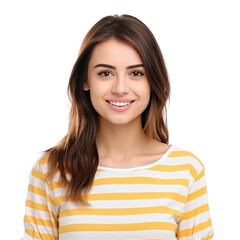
[195, 223]
[40, 221]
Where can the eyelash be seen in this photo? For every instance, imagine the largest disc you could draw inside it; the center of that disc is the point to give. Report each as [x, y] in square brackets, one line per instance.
[105, 73]
[135, 73]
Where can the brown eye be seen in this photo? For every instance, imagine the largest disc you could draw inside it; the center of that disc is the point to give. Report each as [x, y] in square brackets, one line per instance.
[105, 74]
[137, 73]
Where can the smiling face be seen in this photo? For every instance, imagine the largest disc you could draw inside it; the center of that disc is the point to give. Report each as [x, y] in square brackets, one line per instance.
[119, 88]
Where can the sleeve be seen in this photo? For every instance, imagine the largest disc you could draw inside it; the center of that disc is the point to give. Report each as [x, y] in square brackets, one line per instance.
[40, 221]
[195, 223]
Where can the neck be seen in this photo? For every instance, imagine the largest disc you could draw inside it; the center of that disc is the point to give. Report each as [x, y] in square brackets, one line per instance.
[120, 140]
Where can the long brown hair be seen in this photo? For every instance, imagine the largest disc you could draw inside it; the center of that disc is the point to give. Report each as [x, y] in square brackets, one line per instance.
[77, 154]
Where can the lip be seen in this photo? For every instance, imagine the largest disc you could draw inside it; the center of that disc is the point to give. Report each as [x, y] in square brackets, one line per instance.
[121, 108]
[119, 100]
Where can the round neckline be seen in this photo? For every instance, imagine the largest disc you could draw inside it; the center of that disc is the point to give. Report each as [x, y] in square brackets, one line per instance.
[142, 167]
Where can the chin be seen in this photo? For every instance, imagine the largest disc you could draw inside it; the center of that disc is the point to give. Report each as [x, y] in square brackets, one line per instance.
[121, 120]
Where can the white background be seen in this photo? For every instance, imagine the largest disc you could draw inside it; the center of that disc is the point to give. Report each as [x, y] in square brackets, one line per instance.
[201, 45]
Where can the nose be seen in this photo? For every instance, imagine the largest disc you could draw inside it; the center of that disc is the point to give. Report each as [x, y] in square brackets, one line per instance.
[120, 86]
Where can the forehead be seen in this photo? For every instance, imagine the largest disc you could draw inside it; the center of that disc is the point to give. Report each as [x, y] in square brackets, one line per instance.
[113, 51]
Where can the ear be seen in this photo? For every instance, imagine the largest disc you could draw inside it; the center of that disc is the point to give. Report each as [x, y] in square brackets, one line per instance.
[85, 87]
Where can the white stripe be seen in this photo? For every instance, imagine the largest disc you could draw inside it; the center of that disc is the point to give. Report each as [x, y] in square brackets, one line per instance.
[37, 213]
[199, 235]
[38, 183]
[119, 204]
[134, 188]
[116, 219]
[42, 167]
[196, 203]
[41, 229]
[41, 200]
[128, 235]
[138, 203]
[203, 234]
[181, 174]
[36, 198]
[189, 223]
[197, 185]
[180, 160]
[26, 237]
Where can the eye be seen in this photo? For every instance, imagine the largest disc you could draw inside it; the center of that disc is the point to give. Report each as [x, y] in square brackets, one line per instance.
[105, 74]
[136, 73]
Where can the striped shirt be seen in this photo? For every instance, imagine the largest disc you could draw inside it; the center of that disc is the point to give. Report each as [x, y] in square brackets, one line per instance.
[165, 200]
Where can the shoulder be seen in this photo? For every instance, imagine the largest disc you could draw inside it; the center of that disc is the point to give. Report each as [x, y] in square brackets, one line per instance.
[181, 154]
[42, 164]
[40, 168]
[185, 159]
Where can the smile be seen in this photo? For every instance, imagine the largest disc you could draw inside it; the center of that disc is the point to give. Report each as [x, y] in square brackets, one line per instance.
[120, 104]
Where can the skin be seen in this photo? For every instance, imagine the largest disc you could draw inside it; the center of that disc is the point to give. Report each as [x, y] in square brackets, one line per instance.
[116, 74]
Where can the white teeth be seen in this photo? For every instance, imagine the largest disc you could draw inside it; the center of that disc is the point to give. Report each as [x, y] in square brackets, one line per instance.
[120, 104]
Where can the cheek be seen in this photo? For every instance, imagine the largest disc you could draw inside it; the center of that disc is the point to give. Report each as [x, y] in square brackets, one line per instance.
[93, 96]
[97, 90]
[96, 96]
[145, 90]
[95, 103]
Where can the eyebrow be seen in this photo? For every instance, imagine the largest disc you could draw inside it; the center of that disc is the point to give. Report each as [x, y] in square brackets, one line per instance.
[113, 67]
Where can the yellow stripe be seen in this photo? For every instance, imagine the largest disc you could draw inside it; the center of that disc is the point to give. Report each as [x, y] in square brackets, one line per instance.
[41, 192]
[120, 211]
[36, 206]
[38, 174]
[118, 227]
[40, 236]
[196, 211]
[136, 196]
[197, 228]
[140, 180]
[208, 237]
[176, 168]
[43, 160]
[40, 207]
[202, 174]
[39, 221]
[183, 154]
[128, 196]
[197, 193]
[36, 190]
[137, 180]
[59, 200]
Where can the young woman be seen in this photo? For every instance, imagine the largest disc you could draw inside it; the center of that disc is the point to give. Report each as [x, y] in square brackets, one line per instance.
[114, 176]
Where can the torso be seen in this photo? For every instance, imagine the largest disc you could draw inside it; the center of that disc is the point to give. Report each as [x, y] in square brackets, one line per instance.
[143, 202]
[132, 203]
